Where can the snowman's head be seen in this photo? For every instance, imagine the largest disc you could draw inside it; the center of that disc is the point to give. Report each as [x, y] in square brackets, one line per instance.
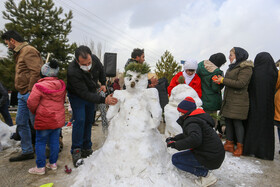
[135, 81]
[136, 77]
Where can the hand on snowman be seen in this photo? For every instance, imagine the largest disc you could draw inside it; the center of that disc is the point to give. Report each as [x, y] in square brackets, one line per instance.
[110, 100]
[170, 141]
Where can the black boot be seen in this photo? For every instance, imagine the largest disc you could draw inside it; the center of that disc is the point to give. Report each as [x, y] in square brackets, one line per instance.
[77, 157]
[86, 152]
[22, 157]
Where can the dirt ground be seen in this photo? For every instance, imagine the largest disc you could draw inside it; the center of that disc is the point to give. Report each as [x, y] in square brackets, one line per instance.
[16, 174]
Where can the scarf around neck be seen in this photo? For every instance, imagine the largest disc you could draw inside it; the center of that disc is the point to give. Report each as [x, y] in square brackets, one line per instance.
[187, 77]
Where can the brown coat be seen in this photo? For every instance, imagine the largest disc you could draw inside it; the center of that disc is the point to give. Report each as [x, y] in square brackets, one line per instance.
[28, 67]
[236, 98]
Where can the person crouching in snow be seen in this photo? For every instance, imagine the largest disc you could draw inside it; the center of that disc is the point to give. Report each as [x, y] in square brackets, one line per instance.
[46, 101]
[204, 150]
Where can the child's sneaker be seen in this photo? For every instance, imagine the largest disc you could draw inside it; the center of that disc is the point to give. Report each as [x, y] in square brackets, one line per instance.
[37, 171]
[206, 181]
[51, 166]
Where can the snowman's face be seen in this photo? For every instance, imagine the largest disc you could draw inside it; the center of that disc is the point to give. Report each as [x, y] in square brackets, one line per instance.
[135, 81]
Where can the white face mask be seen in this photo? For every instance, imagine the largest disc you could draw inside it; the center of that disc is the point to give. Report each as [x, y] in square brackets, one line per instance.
[86, 68]
[233, 61]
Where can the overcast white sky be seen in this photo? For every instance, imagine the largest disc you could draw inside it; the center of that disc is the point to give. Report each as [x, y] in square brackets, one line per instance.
[187, 28]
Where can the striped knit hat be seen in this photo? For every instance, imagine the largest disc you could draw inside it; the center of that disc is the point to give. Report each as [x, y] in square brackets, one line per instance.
[188, 104]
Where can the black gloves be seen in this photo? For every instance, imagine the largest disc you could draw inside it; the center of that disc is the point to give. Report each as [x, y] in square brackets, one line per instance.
[170, 141]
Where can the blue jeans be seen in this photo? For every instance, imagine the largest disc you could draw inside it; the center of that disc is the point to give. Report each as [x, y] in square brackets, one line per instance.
[22, 121]
[4, 110]
[186, 161]
[83, 112]
[50, 136]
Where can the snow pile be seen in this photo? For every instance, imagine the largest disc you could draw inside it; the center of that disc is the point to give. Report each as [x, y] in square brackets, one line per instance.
[5, 134]
[178, 94]
[134, 153]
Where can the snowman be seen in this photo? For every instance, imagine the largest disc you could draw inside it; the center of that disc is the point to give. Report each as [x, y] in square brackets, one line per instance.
[171, 114]
[134, 153]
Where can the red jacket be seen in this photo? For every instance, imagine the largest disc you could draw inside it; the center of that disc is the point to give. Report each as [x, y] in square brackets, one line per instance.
[46, 101]
[195, 83]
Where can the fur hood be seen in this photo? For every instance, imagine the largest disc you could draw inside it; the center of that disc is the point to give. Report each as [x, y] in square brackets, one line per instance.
[247, 63]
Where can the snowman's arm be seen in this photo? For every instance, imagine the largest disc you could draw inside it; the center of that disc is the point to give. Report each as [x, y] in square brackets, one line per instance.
[114, 109]
[154, 105]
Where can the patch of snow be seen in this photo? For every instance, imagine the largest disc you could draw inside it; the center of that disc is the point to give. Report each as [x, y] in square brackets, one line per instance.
[5, 134]
[171, 114]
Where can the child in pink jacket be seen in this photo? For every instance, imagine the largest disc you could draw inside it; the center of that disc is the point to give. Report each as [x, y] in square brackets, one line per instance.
[46, 101]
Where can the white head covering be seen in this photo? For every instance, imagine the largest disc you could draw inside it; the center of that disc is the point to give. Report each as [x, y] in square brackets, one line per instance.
[190, 64]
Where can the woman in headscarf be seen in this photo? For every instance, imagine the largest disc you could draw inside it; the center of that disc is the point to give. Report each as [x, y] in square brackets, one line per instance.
[191, 78]
[259, 138]
[235, 105]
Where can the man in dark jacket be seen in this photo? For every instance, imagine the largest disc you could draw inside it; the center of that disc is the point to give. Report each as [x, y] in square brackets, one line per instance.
[137, 56]
[82, 83]
[4, 105]
[204, 149]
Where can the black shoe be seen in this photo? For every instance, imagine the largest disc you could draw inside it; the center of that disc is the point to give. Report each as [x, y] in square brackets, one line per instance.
[86, 152]
[22, 157]
[77, 157]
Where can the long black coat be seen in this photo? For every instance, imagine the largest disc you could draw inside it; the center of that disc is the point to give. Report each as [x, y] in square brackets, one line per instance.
[162, 92]
[199, 136]
[259, 137]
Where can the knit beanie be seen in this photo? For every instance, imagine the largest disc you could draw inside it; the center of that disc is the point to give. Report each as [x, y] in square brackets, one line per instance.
[188, 104]
[50, 69]
[190, 64]
[218, 59]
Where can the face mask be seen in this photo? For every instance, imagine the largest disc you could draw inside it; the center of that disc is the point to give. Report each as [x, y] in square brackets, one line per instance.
[86, 68]
[233, 61]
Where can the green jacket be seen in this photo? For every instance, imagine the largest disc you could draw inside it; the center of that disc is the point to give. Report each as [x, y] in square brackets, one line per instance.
[236, 98]
[211, 92]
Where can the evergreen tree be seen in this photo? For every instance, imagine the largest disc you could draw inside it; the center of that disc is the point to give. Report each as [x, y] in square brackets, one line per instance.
[43, 26]
[7, 72]
[167, 67]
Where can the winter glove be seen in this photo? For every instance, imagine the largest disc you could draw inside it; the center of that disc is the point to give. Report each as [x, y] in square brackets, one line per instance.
[169, 139]
[171, 144]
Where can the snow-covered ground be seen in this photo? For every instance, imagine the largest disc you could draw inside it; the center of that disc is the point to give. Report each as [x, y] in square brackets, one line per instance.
[235, 172]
